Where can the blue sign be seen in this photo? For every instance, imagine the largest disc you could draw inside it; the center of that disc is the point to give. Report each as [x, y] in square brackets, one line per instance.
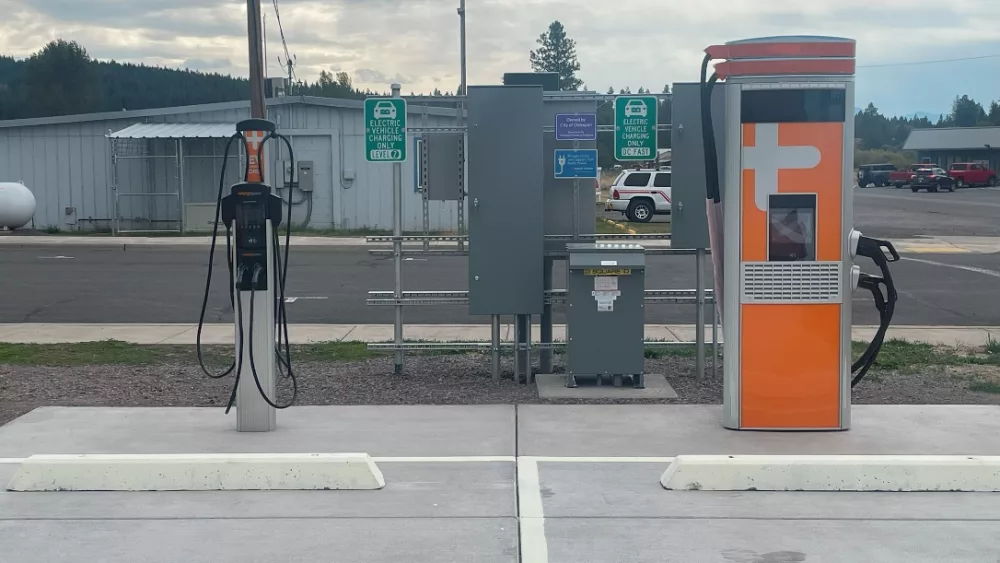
[575, 163]
[576, 127]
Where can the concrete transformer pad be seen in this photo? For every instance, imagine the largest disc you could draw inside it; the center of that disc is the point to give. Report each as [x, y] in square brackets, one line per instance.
[553, 386]
[498, 484]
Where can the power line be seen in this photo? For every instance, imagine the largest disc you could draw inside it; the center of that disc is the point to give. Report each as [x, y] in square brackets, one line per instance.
[915, 63]
[289, 61]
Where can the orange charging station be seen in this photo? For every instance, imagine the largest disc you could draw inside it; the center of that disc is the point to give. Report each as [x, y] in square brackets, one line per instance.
[787, 250]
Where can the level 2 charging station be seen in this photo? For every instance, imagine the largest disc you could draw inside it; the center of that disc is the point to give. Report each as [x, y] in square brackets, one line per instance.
[785, 246]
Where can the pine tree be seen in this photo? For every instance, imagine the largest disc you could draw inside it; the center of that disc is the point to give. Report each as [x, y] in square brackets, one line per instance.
[557, 53]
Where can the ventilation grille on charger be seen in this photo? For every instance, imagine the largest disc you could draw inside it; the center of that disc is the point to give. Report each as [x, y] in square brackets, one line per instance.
[790, 282]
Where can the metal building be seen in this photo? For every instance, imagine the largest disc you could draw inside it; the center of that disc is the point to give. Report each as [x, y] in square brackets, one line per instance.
[158, 169]
[945, 146]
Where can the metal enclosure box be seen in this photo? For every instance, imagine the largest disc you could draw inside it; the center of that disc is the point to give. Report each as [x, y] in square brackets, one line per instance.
[689, 228]
[506, 227]
[559, 208]
[304, 176]
[442, 165]
[604, 313]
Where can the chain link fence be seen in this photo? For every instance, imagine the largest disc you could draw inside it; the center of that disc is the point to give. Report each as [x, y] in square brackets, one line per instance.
[146, 185]
[169, 185]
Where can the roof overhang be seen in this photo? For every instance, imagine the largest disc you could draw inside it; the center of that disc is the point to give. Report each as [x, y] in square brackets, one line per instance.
[176, 131]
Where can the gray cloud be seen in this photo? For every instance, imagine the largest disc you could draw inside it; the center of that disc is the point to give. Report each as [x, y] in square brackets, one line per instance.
[627, 43]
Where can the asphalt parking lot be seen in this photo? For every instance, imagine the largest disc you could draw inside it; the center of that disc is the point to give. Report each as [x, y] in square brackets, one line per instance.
[94, 284]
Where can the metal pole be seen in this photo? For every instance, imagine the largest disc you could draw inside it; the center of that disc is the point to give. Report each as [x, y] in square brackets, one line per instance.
[180, 176]
[517, 348]
[496, 348]
[256, 43]
[545, 354]
[699, 337]
[576, 202]
[715, 340]
[397, 252]
[463, 87]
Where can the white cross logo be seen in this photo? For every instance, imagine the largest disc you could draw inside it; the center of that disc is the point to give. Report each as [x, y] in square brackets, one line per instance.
[766, 158]
[255, 138]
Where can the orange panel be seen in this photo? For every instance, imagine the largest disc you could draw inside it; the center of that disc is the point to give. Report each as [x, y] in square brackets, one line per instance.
[784, 66]
[754, 221]
[790, 366]
[826, 180]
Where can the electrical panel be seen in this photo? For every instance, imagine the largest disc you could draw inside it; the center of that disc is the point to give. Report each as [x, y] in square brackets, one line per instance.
[506, 221]
[689, 226]
[304, 177]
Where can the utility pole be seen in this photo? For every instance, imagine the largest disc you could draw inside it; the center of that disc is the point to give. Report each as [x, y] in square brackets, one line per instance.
[256, 40]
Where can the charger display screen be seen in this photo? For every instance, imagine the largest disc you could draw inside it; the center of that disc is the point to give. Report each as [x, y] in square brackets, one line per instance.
[791, 228]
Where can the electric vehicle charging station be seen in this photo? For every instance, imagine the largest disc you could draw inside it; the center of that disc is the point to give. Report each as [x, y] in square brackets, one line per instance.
[251, 214]
[781, 231]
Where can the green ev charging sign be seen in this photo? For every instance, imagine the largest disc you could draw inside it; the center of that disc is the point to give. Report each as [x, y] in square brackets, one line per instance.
[385, 130]
[635, 127]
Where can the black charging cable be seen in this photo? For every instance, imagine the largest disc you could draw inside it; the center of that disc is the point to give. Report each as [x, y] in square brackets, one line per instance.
[885, 303]
[211, 260]
[254, 283]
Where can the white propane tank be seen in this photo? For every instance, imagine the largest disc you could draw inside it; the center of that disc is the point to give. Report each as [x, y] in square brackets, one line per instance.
[17, 205]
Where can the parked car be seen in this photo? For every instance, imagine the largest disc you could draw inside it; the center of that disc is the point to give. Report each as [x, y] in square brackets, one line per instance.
[932, 180]
[900, 178]
[876, 174]
[641, 194]
[972, 174]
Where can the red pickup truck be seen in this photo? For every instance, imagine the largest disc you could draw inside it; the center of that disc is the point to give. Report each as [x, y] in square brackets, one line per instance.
[900, 178]
[971, 174]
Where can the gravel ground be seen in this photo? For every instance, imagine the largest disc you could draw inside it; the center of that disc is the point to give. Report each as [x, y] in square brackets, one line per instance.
[456, 379]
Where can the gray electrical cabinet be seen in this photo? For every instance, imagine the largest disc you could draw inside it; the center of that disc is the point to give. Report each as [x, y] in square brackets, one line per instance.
[506, 226]
[442, 166]
[689, 226]
[604, 313]
[305, 175]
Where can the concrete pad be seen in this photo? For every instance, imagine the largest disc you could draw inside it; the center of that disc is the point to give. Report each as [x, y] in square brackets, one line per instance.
[633, 490]
[688, 333]
[765, 540]
[553, 386]
[939, 336]
[46, 333]
[198, 472]
[670, 430]
[253, 540]
[833, 473]
[426, 430]
[413, 490]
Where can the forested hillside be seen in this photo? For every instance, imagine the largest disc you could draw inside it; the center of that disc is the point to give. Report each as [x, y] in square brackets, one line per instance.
[62, 79]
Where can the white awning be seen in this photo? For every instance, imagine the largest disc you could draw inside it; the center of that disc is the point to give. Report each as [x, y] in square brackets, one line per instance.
[176, 131]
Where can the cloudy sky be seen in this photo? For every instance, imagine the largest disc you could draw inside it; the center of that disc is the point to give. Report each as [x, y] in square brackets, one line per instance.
[620, 42]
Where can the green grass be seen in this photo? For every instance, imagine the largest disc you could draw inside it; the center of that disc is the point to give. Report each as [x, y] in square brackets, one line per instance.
[604, 227]
[993, 346]
[109, 352]
[905, 356]
[985, 387]
[896, 355]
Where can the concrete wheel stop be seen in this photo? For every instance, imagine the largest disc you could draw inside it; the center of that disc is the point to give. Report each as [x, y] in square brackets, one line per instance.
[898, 473]
[197, 472]
[553, 386]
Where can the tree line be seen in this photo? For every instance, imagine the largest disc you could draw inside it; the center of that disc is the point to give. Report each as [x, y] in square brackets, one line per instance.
[62, 79]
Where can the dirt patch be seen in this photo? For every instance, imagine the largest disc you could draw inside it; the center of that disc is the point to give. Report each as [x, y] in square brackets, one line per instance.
[452, 379]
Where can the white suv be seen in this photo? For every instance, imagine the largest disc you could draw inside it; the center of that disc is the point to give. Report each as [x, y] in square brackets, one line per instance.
[641, 194]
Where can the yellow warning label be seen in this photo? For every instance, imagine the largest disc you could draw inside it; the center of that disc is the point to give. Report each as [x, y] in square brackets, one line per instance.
[607, 272]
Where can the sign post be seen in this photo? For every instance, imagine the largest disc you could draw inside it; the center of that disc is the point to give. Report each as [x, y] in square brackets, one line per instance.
[635, 127]
[385, 130]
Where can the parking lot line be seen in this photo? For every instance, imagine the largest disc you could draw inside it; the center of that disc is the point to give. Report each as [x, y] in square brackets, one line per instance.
[531, 518]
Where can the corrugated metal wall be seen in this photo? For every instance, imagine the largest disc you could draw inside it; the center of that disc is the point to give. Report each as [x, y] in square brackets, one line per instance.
[70, 166]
